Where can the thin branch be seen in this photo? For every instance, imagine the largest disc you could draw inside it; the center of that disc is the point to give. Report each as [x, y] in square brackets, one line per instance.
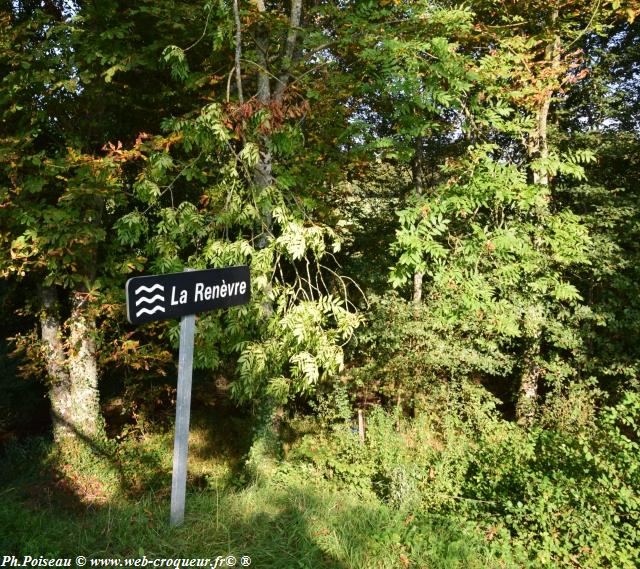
[299, 286]
[504, 26]
[195, 43]
[314, 68]
[588, 26]
[342, 280]
[261, 68]
[229, 82]
[311, 287]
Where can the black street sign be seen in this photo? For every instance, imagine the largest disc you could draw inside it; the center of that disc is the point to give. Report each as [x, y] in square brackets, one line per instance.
[160, 297]
[183, 295]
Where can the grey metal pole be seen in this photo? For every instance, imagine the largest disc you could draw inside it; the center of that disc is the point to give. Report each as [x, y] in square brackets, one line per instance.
[183, 411]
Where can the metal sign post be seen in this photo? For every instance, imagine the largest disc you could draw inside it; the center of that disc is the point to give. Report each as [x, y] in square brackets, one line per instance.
[183, 411]
[184, 294]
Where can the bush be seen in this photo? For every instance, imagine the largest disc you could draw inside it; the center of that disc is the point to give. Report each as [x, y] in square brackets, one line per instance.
[572, 497]
[566, 493]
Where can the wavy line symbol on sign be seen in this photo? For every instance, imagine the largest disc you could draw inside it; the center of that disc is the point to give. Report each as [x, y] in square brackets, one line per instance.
[143, 288]
[149, 311]
[149, 299]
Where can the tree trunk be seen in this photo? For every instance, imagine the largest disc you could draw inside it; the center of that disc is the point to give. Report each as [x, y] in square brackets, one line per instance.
[72, 370]
[539, 147]
[266, 444]
[290, 51]
[262, 45]
[60, 393]
[238, 55]
[263, 171]
[532, 372]
[262, 174]
[83, 369]
[417, 286]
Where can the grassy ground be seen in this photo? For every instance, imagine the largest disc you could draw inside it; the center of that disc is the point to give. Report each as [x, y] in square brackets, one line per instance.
[287, 527]
[115, 503]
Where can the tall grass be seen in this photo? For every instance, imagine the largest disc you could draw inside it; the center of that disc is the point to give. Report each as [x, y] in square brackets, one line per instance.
[289, 521]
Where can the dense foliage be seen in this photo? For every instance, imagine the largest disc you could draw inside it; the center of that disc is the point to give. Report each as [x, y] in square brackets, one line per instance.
[440, 208]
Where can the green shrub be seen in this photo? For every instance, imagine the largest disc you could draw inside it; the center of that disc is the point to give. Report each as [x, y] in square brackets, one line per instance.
[572, 497]
[568, 493]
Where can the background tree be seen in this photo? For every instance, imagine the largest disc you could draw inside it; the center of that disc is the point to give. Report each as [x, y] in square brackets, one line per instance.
[61, 102]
